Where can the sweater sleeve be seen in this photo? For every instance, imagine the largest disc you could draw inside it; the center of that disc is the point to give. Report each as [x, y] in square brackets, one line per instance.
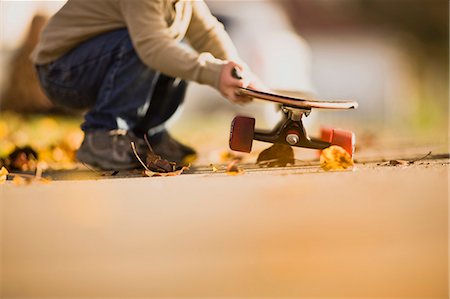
[207, 34]
[150, 35]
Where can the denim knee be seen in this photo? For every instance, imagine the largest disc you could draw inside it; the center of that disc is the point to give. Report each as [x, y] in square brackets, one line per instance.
[53, 82]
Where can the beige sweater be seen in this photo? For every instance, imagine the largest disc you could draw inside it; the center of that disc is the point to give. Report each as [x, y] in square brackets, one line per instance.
[156, 28]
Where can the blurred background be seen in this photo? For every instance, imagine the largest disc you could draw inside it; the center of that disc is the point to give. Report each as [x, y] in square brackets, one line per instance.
[390, 56]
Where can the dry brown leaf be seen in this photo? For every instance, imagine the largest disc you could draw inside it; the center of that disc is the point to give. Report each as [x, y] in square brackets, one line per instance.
[278, 155]
[157, 164]
[23, 159]
[335, 158]
[397, 162]
[150, 173]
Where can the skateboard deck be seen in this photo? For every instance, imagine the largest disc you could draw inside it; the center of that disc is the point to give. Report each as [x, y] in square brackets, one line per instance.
[297, 102]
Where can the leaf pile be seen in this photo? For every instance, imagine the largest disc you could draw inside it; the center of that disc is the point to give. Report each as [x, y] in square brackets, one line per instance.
[28, 140]
[335, 158]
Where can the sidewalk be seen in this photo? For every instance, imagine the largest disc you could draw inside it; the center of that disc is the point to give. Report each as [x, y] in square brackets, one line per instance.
[374, 232]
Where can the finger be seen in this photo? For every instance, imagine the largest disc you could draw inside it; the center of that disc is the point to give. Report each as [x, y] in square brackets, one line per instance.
[236, 73]
[242, 99]
[238, 65]
[233, 97]
[244, 77]
[238, 83]
[246, 99]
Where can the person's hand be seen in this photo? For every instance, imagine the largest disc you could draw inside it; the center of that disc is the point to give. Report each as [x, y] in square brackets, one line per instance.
[229, 85]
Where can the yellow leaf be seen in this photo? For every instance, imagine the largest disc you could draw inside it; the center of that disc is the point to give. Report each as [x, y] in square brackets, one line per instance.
[73, 139]
[233, 168]
[149, 173]
[335, 158]
[165, 174]
[3, 130]
[20, 181]
[190, 159]
[229, 156]
[3, 175]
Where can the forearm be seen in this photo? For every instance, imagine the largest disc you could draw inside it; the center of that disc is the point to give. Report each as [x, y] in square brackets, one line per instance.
[171, 59]
[207, 34]
[158, 49]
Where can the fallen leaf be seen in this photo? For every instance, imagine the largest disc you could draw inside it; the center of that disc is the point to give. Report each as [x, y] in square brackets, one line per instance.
[278, 155]
[20, 181]
[150, 173]
[73, 139]
[189, 159]
[40, 167]
[233, 168]
[421, 158]
[397, 162]
[158, 164]
[3, 175]
[229, 156]
[54, 140]
[335, 158]
[23, 159]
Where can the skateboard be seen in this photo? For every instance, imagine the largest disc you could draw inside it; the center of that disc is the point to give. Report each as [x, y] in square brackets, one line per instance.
[290, 129]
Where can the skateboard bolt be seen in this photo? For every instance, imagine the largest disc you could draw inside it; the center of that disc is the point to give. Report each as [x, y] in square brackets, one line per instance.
[292, 139]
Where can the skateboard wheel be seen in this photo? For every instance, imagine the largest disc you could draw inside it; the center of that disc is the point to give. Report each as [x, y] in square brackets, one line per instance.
[326, 134]
[242, 133]
[345, 139]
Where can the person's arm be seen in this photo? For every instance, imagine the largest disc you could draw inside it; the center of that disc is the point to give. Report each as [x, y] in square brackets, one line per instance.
[207, 34]
[151, 38]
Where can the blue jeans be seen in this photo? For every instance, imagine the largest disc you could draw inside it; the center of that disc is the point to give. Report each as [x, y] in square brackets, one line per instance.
[105, 76]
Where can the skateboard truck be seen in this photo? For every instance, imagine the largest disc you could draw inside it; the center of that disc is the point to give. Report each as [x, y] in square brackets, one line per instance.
[290, 129]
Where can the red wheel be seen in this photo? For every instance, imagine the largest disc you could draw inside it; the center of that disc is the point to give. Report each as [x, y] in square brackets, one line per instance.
[326, 134]
[241, 134]
[345, 139]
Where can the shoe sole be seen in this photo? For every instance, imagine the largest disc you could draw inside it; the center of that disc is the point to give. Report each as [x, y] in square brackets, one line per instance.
[104, 164]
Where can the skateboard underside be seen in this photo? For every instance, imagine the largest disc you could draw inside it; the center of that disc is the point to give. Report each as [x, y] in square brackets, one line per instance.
[298, 102]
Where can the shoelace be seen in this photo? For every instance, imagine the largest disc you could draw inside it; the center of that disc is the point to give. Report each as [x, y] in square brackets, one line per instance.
[118, 132]
[121, 137]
